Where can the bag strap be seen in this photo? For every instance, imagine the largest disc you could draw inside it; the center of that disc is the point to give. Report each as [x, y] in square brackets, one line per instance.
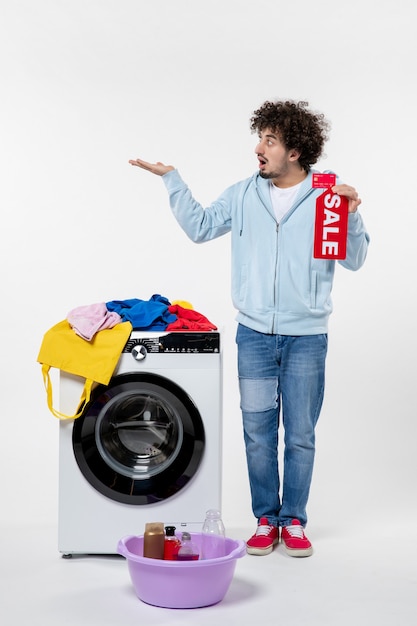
[85, 396]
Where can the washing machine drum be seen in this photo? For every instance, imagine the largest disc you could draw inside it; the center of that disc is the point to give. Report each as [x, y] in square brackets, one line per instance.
[140, 439]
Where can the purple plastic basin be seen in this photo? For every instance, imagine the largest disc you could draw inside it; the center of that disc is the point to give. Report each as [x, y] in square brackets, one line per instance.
[180, 584]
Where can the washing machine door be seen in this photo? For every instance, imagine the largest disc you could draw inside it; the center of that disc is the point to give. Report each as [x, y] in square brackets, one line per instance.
[140, 439]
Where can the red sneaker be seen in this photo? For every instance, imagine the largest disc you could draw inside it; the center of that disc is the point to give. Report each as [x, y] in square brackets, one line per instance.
[295, 541]
[265, 538]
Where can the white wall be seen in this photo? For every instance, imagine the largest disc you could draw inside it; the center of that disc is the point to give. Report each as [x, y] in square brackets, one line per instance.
[88, 84]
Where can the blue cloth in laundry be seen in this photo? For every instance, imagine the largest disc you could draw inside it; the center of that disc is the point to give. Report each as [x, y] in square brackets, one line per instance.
[152, 314]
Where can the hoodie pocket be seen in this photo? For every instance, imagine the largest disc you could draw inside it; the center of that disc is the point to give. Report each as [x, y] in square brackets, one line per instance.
[243, 283]
[313, 290]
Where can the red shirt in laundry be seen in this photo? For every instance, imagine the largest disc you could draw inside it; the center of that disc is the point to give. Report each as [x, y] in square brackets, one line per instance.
[189, 319]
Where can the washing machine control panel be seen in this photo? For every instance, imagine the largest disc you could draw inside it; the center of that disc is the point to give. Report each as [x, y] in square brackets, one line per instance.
[176, 342]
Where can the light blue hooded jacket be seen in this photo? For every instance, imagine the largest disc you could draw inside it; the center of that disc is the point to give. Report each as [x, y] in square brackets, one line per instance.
[277, 285]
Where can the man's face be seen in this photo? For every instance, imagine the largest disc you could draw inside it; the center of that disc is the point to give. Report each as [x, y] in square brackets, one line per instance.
[273, 157]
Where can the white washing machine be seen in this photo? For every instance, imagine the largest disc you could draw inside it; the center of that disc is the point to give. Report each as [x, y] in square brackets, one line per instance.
[147, 448]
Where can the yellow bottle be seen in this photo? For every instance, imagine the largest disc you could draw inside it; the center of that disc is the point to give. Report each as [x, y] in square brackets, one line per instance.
[153, 540]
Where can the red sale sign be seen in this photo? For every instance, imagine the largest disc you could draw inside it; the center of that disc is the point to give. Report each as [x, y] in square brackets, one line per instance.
[330, 233]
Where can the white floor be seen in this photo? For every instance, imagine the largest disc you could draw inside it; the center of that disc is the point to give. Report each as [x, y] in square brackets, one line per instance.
[350, 579]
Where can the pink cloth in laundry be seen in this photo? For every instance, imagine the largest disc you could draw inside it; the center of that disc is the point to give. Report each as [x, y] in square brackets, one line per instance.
[87, 320]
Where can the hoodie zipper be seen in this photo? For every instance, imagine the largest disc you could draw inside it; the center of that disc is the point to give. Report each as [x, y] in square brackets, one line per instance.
[284, 219]
[275, 276]
[277, 230]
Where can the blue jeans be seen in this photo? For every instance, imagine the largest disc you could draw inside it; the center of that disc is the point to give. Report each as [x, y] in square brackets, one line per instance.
[280, 374]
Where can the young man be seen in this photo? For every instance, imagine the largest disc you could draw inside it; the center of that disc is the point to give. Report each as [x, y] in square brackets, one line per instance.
[282, 295]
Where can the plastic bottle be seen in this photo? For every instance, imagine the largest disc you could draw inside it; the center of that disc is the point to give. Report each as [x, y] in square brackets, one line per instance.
[172, 544]
[153, 540]
[213, 540]
[187, 551]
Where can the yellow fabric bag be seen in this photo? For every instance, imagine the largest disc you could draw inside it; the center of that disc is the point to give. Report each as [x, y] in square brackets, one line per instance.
[93, 360]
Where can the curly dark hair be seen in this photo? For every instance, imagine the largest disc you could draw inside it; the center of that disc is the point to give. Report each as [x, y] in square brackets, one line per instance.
[297, 127]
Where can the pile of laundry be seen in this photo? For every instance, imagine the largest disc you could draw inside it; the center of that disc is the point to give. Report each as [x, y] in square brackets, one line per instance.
[155, 314]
